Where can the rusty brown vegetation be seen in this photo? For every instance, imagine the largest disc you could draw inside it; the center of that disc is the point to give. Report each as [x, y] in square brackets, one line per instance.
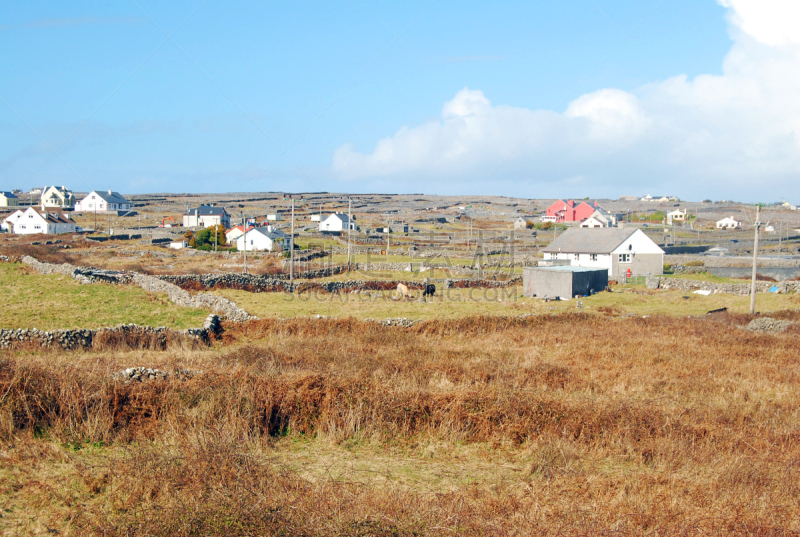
[583, 425]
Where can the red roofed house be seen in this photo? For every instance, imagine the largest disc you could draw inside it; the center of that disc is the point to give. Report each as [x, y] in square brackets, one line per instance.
[569, 212]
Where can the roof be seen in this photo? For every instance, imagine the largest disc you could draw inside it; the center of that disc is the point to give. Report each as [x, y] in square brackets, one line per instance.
[240, 228]
[207, 210]
[7, 194]
[273, 235]
[567, 268]
[583, 240]
[341, 216]
[111, 197]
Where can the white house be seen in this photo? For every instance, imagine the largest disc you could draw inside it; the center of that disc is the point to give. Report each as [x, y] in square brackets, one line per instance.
[338, 222]
[677, 215]
[8, 199]
[277, 217]
[263, 239]
[8, 223]
[207, 216]
[55, 197]
[235, 232]
[770, 229]
[614, 249]
[593, 222]
[315, 218]
[32, 221]
[103, 202]
[602, 217]
[729, 222]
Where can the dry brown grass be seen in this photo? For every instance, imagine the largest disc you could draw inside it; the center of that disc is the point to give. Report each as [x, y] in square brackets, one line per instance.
[569, 424]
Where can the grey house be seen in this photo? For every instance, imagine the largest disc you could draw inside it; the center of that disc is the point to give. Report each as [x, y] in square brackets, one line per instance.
[618, 250]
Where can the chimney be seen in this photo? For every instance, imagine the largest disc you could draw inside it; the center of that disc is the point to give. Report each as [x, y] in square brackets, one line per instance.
[109, 191]
[595, 205]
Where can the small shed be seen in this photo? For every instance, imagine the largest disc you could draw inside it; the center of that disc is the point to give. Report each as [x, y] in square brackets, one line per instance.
[563, 281]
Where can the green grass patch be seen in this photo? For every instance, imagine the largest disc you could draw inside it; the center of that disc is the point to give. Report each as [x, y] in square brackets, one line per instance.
[47, 302]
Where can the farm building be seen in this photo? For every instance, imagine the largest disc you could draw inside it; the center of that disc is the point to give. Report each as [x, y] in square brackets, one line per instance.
[617, 250]
[563, 281]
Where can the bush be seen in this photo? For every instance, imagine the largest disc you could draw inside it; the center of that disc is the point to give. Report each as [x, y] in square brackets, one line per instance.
[695, 263]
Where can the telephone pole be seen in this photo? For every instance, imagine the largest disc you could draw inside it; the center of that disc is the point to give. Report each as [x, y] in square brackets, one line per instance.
[349, 227]
[755, 263]
[388, 231]
[291, 250]
[244, 227]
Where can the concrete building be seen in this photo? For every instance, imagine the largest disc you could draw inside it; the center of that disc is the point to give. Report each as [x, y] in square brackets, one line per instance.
[8, 199]
[617, 250]
[55, 197]
[103, 202]
[207, 216]
[563, 282]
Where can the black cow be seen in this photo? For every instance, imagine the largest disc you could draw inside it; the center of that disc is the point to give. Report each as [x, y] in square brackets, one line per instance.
[430, 290]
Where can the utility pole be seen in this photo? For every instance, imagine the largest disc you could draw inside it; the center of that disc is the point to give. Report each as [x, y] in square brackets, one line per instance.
[388, 231]
[291, 250]
[108, 212]
[244, 226]
[780, 238]
[216, 230]
[349, 227]
[755, 263]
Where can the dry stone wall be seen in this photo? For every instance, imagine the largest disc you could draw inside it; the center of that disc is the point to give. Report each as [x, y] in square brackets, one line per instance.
[221, 306]
[742, 289]
[87, 338]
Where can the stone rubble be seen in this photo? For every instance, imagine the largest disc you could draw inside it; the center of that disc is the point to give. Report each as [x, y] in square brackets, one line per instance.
[768, 324]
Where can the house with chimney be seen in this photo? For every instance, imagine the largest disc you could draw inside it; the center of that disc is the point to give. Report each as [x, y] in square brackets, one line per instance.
[103, 202]
[621, 251]
[569, 211]
[57, 197]
[31, 222]
[207, 216]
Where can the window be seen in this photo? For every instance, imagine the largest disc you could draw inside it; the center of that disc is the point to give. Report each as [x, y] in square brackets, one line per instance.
[624, 258]
[593, 257]
[576, 256]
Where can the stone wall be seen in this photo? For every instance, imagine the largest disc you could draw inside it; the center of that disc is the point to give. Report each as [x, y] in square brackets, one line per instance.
[742, 289]
[151, 284]
[126, 334]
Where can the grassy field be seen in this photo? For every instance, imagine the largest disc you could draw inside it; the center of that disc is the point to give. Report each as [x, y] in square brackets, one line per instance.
[456, 303]
[552, 425]
[31, 300]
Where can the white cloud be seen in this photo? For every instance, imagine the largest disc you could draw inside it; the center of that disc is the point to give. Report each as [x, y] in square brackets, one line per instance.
[730, 135]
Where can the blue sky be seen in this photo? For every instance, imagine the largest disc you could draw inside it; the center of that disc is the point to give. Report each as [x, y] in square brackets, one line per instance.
[238, 83]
